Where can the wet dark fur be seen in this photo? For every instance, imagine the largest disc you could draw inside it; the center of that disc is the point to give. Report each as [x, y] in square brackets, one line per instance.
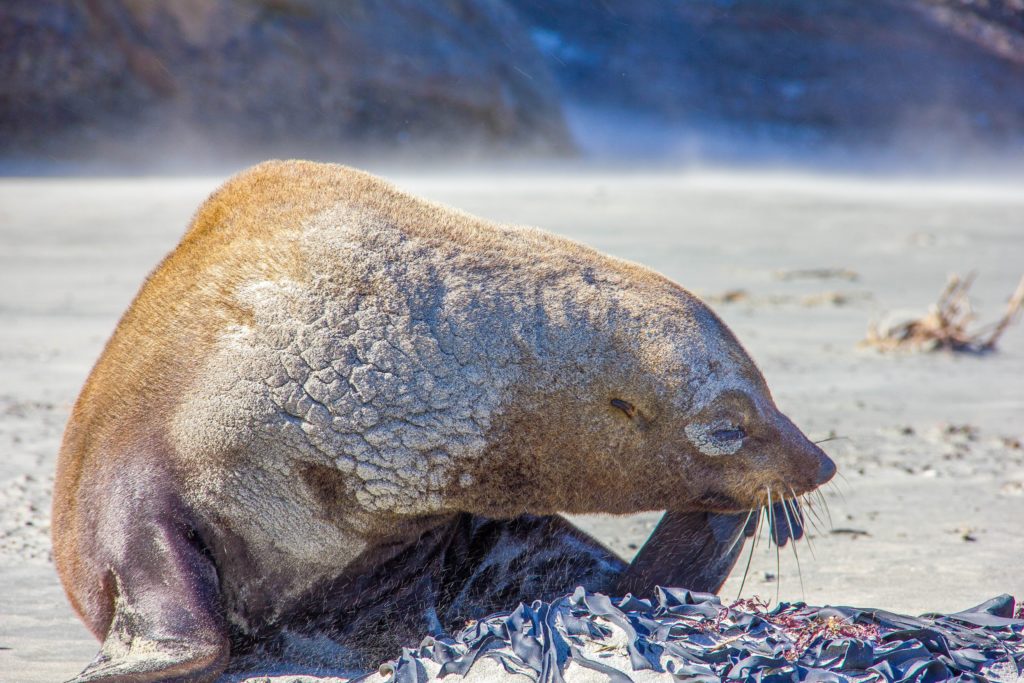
[462, 570]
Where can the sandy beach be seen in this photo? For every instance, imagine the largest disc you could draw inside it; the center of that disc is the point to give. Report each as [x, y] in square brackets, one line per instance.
[926, 515]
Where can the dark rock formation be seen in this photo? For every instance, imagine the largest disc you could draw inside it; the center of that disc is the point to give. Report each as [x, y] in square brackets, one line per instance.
[124, 78]
[920, 74]
[918, 79]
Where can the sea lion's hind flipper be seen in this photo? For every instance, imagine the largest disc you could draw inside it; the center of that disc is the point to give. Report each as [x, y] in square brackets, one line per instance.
[156, 661]
[167, 624]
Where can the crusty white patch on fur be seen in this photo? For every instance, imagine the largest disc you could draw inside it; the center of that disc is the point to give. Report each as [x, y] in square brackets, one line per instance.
[385, 365]
[700, 435]
[375, 370]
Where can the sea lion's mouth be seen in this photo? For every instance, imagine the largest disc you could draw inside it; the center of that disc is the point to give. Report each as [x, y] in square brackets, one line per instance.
[713, 501]
[723, 503]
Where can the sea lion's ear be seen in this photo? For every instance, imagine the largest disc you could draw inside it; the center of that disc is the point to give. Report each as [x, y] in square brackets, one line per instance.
[167, 623]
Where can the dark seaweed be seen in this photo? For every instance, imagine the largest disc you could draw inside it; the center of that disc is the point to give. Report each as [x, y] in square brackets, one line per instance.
[693, 637]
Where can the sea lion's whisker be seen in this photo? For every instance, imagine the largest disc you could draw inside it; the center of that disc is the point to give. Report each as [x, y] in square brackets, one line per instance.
[799, 572]
[828, 512]
[793, 505]
[741, 534]
[810, 515]
[807, 536]
[787, 506]
[772, 532]
[815, 519]
[786, 502]
[810, 546]
[804, 512]
[835, 487]
[750, 555]
[811, 504]
[814, 501]
[757, 527]
[824, 504]
[834, 437]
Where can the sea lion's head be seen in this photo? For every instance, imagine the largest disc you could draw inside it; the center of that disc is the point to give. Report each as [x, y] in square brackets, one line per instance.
[643, 399]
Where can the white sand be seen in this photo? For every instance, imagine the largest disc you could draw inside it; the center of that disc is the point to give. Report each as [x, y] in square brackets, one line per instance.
[933, 518]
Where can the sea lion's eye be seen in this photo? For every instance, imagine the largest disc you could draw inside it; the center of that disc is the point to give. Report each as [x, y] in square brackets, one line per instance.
[625, 406]
[728, 434]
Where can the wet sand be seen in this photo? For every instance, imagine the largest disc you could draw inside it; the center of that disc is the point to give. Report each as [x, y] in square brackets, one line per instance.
[927, 514]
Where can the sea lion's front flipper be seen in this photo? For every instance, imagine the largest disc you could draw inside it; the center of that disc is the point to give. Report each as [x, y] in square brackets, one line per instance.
[166, 622]
[694, 550]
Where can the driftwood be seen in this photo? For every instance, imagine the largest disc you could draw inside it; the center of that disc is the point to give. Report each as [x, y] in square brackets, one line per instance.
[947, 325]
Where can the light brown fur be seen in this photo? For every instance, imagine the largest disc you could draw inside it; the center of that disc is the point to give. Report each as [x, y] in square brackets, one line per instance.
[325, 357]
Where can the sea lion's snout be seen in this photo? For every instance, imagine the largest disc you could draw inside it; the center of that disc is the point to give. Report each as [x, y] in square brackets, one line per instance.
[808, 466]
[757, 454]
[826, 470]
[755, 449]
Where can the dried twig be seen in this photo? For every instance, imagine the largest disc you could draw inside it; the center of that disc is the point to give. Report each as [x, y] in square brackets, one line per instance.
[947, 324]
[817, 274]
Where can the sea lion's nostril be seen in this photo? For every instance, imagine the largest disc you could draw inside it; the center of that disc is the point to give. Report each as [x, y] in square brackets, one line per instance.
[826, 470]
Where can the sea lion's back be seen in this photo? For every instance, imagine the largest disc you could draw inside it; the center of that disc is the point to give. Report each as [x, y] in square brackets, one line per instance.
[246, 238]
[247, 231]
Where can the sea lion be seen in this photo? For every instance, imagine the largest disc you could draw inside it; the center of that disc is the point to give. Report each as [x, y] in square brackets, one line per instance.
[339, 410]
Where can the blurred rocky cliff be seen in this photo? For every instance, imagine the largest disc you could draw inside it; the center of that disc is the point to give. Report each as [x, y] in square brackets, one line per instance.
[913, 76]
[130, 79]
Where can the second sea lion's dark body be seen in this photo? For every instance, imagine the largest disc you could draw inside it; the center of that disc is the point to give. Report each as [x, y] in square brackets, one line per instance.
[470, 567]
